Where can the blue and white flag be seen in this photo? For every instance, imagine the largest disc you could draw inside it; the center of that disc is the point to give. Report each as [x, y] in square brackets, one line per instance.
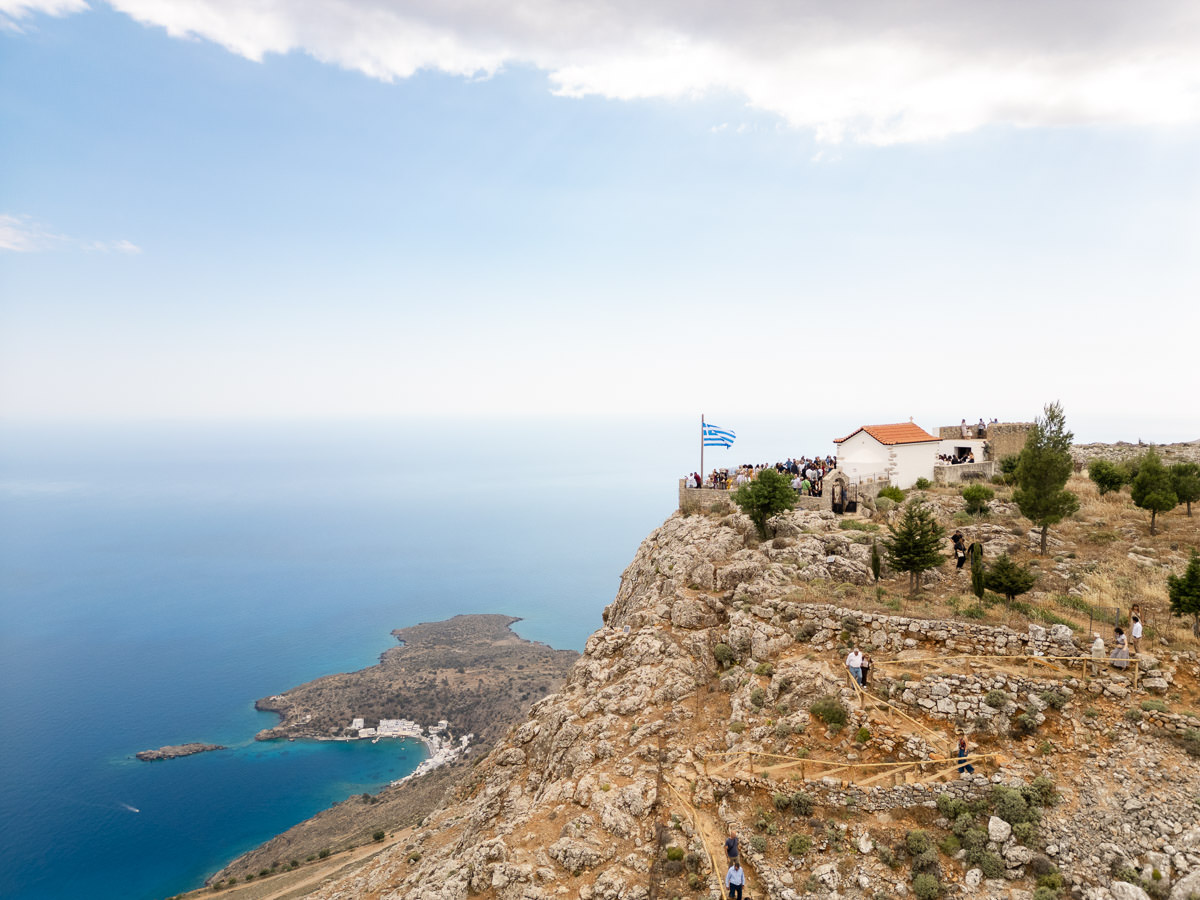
[715, 436]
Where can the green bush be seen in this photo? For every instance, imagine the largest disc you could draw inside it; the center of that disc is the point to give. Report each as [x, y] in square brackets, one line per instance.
[695, 882]
[758, 697]
[1133, 715]
[963, 826]
[1044, 791]
[990, 863]
[1010, 805]
[891, 492]
[829, 709]
[798, 844]
[758, 844]
[856, 525]
[917, 841]
[378, 836]
[724, 655]
[782, 801]
[863, 735]
[1107, 476]
[925, 886]
[977, 498]
[767, 495]
[1054, 699]
[923, 484]
[1045, 893]
[950, 806]
[764, 669]
[1024, 724]
[737, 727]
[1025, 832]
[674, 854]
[1154, 706]
[802, 804]
[324, 853]
[950, 845]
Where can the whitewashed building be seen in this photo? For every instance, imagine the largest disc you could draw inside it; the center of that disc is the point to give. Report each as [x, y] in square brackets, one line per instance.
[899, 454]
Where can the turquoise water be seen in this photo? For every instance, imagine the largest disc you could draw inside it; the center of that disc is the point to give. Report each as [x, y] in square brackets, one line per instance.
[154, 583]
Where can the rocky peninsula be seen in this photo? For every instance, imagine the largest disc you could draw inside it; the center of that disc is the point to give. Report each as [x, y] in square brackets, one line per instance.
[174, 751]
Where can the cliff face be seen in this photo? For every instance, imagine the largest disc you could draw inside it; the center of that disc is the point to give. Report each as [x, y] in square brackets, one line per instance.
[705, 704]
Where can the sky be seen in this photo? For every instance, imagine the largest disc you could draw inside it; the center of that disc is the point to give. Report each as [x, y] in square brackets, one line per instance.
[244, 209]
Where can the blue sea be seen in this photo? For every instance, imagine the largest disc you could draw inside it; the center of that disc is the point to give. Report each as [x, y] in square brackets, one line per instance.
[156, 580]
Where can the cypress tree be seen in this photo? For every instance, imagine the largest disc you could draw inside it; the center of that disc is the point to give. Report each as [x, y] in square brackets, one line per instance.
[1185, 479]
[1007, 578]
[978, 572]
[916, 543]
[1152, 488]
[1042, 471]
[1184, 591]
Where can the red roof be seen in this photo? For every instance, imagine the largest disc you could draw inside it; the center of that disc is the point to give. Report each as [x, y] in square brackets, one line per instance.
[904, 433]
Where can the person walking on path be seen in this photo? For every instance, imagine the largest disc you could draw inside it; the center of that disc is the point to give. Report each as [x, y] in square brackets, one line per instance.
[1097, 653]
[1120, 655]
[1135, 635]
[866, 668]
[731, 846]
[854, 663]
[734, 879]
[960, 549]
[963, 765]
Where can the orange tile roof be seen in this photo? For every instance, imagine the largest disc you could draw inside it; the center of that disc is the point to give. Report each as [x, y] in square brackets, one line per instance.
[903, 433]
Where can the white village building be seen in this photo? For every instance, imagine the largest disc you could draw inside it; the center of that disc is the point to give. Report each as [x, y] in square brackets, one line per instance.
[899, 454]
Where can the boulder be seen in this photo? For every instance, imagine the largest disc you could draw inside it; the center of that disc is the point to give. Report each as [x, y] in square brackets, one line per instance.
[998, 830]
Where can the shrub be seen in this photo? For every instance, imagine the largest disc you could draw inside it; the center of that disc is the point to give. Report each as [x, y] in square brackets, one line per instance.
[1045, 893]
[925, 886]
[886, 856]
[806, 631]
[1054, 699]
[856, 525]
[674, 854]
[378, 836]
[737, 727]
[917, 841]
[758, 697]
[1154, 706]
[974, 611]
[802, 804]
[996, 699]
[1025, 832]
[1133, 715]
[977, 498]
[974, 840]
[764, 669]
[950, 806]
[782, 801]
[1010, 804]
[892, 492]
[950, 845]
[829, 709]
[923, 484]
[783, 729]
[1044, 790]
[863, 735]
[767, 495]
[1008, 578]
[758, 844]
[990, 863]
[1024, 724]
[724, 655]
[1190, 741]
[798, 844]
[323, 854]
[695, 882]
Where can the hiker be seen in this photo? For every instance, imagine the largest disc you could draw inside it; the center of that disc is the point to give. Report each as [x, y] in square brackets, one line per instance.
[734, 879]
[1097, 653]
[1135, 635]
[960, 549]
[731, 846]
[866, 668]
[964, 766]
[854, 662]
[1120, 655]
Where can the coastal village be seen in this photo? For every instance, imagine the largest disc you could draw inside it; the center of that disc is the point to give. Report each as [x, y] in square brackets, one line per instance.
[441, 744]
[991, 753]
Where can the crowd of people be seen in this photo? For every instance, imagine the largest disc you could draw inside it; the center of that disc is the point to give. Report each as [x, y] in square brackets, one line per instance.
[950, 459]
[808, 475]
[980, 429]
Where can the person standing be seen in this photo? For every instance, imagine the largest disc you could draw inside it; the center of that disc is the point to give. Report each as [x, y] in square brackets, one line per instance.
[866, 668]
[731, 846]
[1120, 654]
[1135, 635]
[960, 549]
[735, 878]
[1097, 653]
[854, 662]
[963, 765]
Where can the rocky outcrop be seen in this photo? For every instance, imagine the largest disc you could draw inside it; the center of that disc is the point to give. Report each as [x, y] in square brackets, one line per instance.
[174, 751]
[708, 652]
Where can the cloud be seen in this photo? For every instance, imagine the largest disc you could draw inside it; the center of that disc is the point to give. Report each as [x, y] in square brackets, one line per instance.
[871, 71]
[20, 234]
[12, 11]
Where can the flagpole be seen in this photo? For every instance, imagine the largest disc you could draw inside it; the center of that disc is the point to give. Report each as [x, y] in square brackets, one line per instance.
[702, 448]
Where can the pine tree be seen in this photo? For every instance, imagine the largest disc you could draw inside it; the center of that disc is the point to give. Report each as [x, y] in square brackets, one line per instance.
[1184, 591]
[1106, 475]
[1042, 471]
[1152, 488]
[915, 545]
[1185, 479]
[1007, 578]
[768, 494]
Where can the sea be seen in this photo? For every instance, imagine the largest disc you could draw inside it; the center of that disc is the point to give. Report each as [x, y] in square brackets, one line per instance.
[155, 579]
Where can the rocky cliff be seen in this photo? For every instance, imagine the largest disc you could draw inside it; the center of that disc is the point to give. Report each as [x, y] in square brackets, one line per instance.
[715, 698]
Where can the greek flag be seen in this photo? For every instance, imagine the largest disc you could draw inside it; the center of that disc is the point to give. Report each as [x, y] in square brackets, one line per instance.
[717, 437]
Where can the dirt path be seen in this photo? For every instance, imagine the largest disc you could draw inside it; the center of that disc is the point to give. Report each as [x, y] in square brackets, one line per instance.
[713, 834]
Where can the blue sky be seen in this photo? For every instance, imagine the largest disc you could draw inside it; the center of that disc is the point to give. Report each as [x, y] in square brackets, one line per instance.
[193, 225]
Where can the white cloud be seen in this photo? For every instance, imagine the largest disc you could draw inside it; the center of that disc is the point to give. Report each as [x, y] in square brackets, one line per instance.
[20, 234]
[873, 71]
[12, 11]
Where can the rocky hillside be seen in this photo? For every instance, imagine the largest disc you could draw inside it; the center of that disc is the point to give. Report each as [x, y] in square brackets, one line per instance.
[715, 698]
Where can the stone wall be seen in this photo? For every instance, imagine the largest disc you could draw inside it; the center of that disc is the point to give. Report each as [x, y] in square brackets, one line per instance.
[953, 474]
[1170, 453]
[1004, 438]
[964, 697]
[832, 793]
[694, 500]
